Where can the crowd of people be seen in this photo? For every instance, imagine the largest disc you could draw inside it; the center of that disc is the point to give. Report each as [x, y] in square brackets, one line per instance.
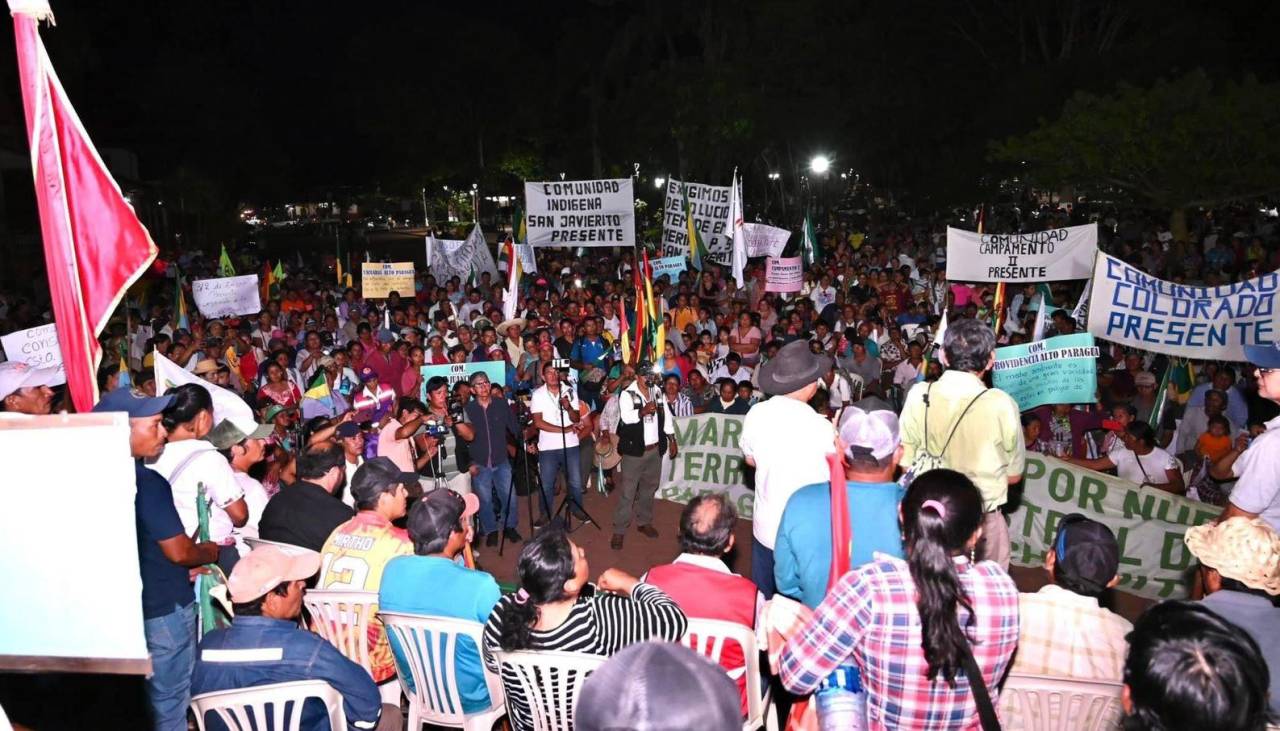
[325, 459]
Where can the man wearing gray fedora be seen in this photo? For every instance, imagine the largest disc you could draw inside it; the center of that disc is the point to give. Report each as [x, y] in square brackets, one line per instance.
[787, 442]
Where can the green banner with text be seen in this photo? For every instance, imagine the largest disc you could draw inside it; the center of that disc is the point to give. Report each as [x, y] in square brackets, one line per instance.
[709, 460]
[1149, 524]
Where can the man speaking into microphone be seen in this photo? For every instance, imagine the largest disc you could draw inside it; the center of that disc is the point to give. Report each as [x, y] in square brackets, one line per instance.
[645, 432]
[561, 419]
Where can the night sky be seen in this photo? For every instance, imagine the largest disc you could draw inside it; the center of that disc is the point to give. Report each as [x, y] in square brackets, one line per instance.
[270, 100]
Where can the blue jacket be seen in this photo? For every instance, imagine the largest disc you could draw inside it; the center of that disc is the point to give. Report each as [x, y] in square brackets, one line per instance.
[260, 651]
[802, 551]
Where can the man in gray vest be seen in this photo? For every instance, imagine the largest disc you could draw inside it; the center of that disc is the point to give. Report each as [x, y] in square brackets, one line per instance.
[645, 431]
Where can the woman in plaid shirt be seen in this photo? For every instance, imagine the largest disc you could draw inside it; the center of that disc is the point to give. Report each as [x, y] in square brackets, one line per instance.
[905, 624]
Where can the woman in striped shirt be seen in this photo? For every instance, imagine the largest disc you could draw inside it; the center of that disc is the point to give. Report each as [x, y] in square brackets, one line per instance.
[556, 608]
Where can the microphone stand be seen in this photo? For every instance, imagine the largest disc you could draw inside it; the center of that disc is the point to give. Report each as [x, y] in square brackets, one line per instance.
[564, 513]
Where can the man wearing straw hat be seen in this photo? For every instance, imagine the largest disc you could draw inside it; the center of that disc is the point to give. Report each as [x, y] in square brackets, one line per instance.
[1240, 571]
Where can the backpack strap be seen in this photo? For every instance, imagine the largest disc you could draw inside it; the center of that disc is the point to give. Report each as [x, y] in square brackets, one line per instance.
[959, 419]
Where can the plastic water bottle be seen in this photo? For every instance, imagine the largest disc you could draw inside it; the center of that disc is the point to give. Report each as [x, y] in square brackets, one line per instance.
[841, 703]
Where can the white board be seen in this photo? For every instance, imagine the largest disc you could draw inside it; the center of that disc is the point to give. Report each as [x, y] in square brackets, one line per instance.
[69, 558]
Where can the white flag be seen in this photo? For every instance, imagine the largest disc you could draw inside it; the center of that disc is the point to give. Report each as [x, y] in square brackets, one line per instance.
[1037, 330]
[512, 295]
[226, 404]
[733, 229]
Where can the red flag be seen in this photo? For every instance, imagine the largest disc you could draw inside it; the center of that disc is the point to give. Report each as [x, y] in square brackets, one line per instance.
[640, 310]
[841, 530]
[94, 245]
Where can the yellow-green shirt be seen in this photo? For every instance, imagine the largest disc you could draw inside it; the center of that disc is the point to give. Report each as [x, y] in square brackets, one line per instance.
[987, 446]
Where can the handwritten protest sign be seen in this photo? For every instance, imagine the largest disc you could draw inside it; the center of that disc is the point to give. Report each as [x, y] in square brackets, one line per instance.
[380, 279]
[1148, 523]
[37, 347]
[765, 240]
[496, 370]
[1059, 370]
[1039, 256]
[668, 265]
[580, 213]
[709, 206]
[1130, 307]
[227, 296]
[709, 460]
[783, 275]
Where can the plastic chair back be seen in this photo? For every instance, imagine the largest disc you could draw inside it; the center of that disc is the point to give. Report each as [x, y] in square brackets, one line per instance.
[708, 637]
[1043, 703]
[342, 618]
[550, 682]
[275, 707]
[429, 646]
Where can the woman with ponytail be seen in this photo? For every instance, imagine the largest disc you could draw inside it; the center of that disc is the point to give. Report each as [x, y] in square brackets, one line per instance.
[556, 608]
[909, 625]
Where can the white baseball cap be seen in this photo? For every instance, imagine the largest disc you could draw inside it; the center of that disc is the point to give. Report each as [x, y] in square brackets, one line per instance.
[15, 375]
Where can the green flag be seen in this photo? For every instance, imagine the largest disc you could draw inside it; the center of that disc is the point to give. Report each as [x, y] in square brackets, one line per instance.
[810, 249]
[278, 274]
[225, 268]
[697, 249]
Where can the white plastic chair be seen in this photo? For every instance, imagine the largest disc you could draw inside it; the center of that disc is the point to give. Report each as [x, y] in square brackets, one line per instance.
[275, 707]
[550, 682]
[1043, 703]
[429, 646]
[342, 618]
[708, 637]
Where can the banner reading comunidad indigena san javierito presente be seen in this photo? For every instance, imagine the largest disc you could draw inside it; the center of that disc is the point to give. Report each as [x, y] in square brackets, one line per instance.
[1037, 256]
[580, 213]
[1131, 307]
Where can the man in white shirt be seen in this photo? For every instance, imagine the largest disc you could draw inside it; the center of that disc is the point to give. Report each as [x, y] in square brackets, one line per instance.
[243, 450]
[644, 433]
[732, 368]
[612, 324]
[561, 419]
[189, 462]
[787, 442]
[351, 439]
[823, 294]
[909, 370]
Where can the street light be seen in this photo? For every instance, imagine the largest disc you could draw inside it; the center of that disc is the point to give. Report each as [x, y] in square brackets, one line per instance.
[775, 176]
[819, 164]
[659, 182]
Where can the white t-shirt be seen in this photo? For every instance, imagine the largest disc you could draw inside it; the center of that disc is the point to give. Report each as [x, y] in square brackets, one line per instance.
[613, 326]
[255, 499]
[822, 297]
[186, 465]
[789, 442]
[545, 403]
[1148, 468]
[743, 374]
[350, 469]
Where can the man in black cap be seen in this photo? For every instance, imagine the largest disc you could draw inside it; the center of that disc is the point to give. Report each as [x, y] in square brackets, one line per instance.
[165, 553]
[787, 442]
[351, 439]
[440, 527]
[1064, 632]
[652, 685]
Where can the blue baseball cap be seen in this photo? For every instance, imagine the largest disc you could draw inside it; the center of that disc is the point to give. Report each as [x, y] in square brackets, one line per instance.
[1263, 355]
[134, 403]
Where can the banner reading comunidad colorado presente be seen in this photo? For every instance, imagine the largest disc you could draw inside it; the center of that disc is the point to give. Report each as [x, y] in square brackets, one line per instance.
[1148, 523]
[1130, 307]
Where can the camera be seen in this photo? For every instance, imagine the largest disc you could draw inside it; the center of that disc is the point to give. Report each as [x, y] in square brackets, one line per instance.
[435, 429]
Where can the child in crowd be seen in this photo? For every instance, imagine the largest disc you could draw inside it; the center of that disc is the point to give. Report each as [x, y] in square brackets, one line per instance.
[1031, 426]
[1216, 442]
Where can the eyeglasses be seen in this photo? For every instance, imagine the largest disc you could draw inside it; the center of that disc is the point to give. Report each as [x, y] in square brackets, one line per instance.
[1268, 371]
